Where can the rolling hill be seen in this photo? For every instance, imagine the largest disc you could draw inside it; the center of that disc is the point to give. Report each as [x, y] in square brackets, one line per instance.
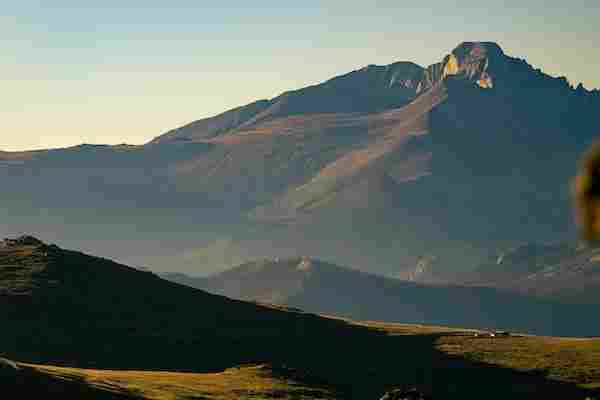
[559, 362]
[320, 287]
[138, 336]
[67, 308]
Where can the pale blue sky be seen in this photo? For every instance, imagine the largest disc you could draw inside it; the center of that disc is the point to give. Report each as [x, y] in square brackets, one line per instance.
[128, 70]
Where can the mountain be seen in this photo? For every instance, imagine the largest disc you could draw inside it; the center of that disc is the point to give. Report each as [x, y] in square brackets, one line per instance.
[320, 287]
[378, 167]
[560, 271]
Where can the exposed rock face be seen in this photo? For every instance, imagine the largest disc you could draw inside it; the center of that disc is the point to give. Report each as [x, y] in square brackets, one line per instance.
[404, 394]
[431, 76]
[472, 60]
[424, 269]
[24, 240]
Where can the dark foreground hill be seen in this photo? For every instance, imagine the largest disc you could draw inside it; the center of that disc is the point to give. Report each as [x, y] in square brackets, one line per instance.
[316, 286]
[65, 308]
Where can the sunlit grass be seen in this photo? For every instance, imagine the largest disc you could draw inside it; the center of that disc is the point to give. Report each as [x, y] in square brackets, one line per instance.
[248, 382]
[574, 360]
[569, 360]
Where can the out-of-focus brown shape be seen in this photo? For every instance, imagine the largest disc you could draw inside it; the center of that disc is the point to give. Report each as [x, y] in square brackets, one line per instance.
[587, 194]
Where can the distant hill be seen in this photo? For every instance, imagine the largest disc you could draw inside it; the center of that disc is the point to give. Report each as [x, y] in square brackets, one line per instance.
[560, 271]
[376, 167]
[320, 287]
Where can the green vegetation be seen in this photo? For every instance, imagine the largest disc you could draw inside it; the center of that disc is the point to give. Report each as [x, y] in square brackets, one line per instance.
[568, 360]
[573, 360]
[528, 365]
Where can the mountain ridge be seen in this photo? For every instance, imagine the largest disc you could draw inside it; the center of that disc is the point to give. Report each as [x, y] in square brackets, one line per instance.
[325, 288]
[478, 61]
[564, 271]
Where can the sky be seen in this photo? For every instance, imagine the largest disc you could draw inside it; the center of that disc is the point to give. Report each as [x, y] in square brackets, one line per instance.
[129, 70]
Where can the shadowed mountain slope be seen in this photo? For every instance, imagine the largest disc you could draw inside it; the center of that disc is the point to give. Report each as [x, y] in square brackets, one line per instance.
[560, 271]
[370, 89]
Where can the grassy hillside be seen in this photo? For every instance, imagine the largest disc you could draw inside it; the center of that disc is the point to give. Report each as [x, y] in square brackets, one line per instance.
[103, 320]
[246, 382]
[456, 363]
[67, 308]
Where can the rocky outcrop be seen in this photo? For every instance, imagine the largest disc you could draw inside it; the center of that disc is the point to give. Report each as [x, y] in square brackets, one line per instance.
[422, 271]
[431, 76]
[24, 240]
[405, 394]
[474, 60]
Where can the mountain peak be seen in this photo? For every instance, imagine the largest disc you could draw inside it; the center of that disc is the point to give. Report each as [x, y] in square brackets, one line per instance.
[472, 60]
[478, 49]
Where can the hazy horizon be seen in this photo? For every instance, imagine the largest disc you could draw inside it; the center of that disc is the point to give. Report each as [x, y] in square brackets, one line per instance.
[124, 74]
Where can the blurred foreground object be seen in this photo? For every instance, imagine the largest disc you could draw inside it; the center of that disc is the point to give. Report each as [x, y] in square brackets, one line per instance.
[587, 194]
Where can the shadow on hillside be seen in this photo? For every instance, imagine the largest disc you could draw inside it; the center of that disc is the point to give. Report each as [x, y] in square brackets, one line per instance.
[369, 367]
[355, 364]
[358, 364]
